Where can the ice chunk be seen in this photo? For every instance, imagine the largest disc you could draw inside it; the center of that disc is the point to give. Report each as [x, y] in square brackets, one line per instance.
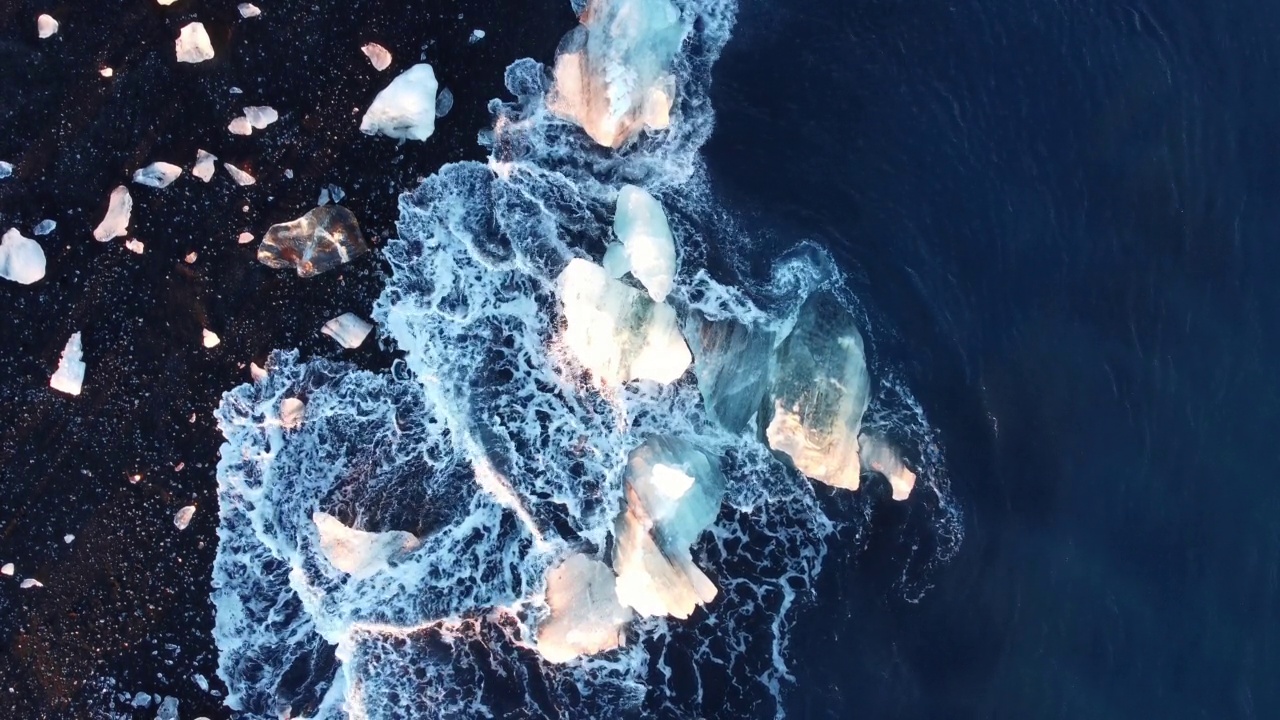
[8, 569]
[21, 258]
[291, 412]
[182, 518]
[476, 35]
[731, 360]
[260, 116]
[69, 377]
[586, 617]
[189, 258]
[6, 169]
[193, 44]
[240, 126]
[106, 72]
[116, 221]
[30, 583]
[245, 238]
[349, 330]
[379, 56]
[241, 177]
[46, 26]
[406, 109]
[44, 227]
[673, 493]
[444, 102]
[168, 709]
[323, 198]
[248, 10]
[879, 456]
[358, 553]
[205, 165]
[209, 339]
[819, 393]
[315, 243]
[612, 73]
[157, 174]
[141, 699]
[68, 539]
[641, 227]
[615, 331]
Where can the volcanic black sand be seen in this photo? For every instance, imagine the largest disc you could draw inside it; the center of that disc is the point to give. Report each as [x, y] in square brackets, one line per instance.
[125, 606]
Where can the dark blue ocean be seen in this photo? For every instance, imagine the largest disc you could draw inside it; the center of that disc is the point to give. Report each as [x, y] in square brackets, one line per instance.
[1070, 213]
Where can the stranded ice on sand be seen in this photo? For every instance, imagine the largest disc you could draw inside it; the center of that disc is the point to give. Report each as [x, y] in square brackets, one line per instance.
[192, 45]
[205, 165]
[241, 177]
[349, 330]
[116, 221]
[248, 10]
[406, 109]
[21, 258]
[182, 518]
[69, 377]
[46, 26]
[157, 174]
[317, 242]
[379, 56]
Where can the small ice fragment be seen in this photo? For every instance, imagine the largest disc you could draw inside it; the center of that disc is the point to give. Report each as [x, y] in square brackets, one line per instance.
[288, 173]
[116, 221]
[256, 372]
[157, 174]
[405, 109]
[46, 26]
[245, 238]
[135, 478]
[248, 10]
[476, 35]
[168, 709]
[317, 242]
[323, 199]
[349, 330]
[260, 116]
[240, 126]
[21, 258]
[201, 681]
[291, 410]
[241, 177]
[7, 569]
[44, 227]
[210, 339]
[182, 518]
[179, 466]
[106, 72]
[69, 377]
[190, 257]
[234, 90]
[30, 583]
[378, 55]
[68, 538]
[205, 165]
[444, 102]
[142, 699]
[6, 169]
[134, 245]
[337, 193]
[193, 44]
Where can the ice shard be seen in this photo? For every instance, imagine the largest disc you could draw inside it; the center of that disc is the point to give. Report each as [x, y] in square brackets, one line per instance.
[673, 493]
[731, 360]
[69, 377]
[21, 258]
[378, 56]
[819, 392]
[615, 331]
[205, 165]
[157, 174]
[613, 72]
[349, 330]
[358, 553]
[647, 244]
[406, 109]
[317, 242]
[192, 45]
[586, 617]
[116, 222]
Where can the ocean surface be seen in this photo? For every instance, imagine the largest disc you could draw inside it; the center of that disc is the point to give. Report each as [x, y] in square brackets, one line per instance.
[1057, 222]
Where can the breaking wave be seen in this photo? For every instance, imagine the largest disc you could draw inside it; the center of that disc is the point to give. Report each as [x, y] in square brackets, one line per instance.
[488, 444]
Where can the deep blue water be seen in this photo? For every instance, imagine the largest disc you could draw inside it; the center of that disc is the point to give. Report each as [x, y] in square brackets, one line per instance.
[1069, 211]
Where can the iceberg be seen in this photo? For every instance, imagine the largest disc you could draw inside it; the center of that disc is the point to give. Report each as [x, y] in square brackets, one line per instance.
[69, 377]
[317, 242]
[649, 248]
[405, 109]
[349, 330]
[157, 174]
[731, 360]
[877, 455]
[116, 222]
[613, 72]
[616, 332]
[586, 617]
[192, 45]
[819, 393]
[358, 553]
[673, 493]
[21, 258]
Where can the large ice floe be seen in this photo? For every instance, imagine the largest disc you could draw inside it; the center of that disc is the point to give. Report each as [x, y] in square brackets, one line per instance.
[601, 480]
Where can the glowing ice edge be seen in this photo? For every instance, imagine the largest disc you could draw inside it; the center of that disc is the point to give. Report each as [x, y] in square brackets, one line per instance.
[489, 445]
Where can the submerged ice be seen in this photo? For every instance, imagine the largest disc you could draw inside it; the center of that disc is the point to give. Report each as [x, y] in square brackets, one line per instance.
[585, 474]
